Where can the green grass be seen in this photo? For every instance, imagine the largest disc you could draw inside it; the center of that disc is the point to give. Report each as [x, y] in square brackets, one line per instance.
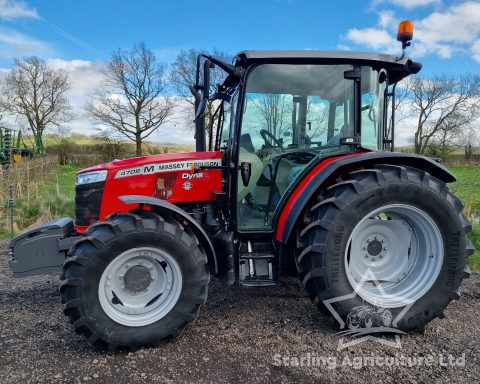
[467, 189]
[474, 260]
[55, 198]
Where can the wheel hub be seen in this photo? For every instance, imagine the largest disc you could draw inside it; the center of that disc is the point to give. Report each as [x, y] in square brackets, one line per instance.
[374, 248]
[396, 252]
[138, 278]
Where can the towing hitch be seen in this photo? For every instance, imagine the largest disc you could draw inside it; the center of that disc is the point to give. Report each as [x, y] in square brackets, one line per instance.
[41, 250]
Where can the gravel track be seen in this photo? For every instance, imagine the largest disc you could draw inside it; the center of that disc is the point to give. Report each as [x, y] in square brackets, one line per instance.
[234, 340]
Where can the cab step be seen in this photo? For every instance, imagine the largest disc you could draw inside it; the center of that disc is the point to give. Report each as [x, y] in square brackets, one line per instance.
[257, 265]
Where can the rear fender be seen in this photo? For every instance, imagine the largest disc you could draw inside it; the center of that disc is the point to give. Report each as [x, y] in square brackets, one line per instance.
[329, 169]
[168, 208]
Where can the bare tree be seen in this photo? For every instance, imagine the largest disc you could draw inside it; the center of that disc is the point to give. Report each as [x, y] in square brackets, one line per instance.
[182, 75]
[131, 99]
[445, 105]
[109, 145]
[272, 109]
[36, 94]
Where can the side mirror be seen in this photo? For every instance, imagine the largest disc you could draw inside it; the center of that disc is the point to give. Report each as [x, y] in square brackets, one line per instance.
[205, 87]
[245, 172]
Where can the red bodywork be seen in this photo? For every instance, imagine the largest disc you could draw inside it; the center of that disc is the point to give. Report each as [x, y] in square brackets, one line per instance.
[168, 177]
[300, 189]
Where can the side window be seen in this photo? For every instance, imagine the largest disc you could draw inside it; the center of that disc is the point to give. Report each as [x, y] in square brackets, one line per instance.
[228, 120]
[372, 109]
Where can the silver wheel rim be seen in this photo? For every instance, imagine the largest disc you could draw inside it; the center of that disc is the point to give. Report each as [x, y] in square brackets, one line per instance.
[394, 255]
[140, 286]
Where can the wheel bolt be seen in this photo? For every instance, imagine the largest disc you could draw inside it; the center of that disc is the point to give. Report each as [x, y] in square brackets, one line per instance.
[120, 277]
[366, 256]
[376, 237]
[109, 277]
[381, 256]
[127, 266]
[364, 248]
[383, 241]
[384, 248]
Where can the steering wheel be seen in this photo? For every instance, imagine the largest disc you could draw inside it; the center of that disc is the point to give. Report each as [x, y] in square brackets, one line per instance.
[267, 136]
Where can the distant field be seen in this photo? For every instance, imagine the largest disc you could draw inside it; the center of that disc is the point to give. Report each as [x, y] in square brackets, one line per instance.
[50, 140]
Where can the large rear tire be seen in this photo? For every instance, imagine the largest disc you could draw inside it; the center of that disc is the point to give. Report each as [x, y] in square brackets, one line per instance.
[134, 280]
[398, 224]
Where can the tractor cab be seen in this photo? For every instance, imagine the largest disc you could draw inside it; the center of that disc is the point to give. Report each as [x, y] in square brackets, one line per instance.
[282, 111]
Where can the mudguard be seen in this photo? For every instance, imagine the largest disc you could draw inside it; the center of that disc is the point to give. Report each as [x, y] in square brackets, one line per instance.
[164, 206]
[320, 174]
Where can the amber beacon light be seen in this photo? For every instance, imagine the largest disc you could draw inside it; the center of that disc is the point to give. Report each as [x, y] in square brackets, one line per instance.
[405, 32]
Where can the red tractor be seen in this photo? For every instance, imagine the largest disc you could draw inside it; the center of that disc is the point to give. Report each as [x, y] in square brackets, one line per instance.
[298, 176]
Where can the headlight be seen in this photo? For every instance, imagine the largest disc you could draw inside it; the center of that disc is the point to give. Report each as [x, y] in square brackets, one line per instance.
[91, 177]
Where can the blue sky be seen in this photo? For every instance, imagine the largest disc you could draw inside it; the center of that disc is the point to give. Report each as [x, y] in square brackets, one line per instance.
[80, 35]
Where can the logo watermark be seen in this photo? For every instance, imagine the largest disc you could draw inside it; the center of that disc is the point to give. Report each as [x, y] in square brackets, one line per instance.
[368, 321]
[357, 362]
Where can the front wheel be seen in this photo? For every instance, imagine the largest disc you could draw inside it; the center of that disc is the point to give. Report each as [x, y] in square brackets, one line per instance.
[395, 236]
[134, 280]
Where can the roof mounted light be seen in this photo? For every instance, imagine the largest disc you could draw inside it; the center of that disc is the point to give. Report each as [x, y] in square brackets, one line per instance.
[405, 35]
[405, 31]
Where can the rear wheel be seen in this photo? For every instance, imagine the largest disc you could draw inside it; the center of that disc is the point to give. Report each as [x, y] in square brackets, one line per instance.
[393, 235]
[134, 280]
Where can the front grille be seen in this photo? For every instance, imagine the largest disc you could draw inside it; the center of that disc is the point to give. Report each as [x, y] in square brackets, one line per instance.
[88, 200]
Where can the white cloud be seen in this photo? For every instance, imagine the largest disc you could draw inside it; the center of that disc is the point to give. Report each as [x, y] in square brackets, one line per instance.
[408, 4]
[343, 47]
[14, 44]
[68, 65]
[375, 38]
[11, 9]
[387, 19]
[456, 29]
[476, 50]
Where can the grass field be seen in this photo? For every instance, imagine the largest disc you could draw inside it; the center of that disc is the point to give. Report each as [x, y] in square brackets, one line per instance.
[55, 198]
[467, 188]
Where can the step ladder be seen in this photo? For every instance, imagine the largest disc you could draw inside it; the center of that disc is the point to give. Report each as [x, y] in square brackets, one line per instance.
[258, 265]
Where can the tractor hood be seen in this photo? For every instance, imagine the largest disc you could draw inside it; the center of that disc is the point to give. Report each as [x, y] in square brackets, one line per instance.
[169, 177]
[134, 162]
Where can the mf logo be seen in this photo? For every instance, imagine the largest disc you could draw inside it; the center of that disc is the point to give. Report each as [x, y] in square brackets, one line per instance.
[363, 322]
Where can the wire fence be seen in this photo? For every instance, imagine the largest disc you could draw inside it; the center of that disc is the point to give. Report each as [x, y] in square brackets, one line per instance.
[26, 179]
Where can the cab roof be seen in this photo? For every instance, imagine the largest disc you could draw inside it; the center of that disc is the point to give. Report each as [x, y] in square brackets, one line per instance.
[398, 69]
